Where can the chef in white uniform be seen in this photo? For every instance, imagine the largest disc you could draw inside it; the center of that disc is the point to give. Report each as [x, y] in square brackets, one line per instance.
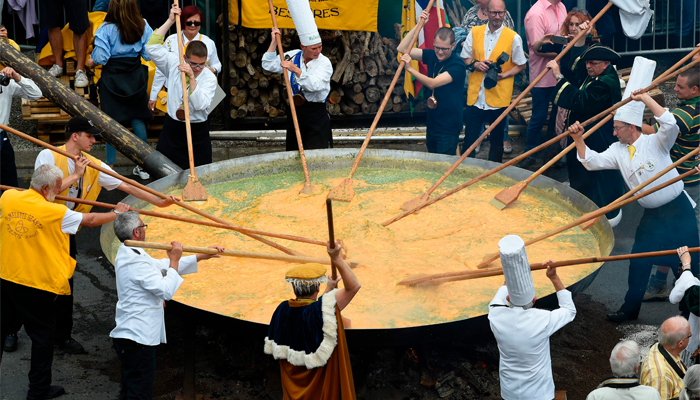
[523, 332]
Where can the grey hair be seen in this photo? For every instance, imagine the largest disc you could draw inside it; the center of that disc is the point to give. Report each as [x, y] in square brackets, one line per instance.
[691, 383]
[304, 290]
[671, 339]
[46, 174]
[525, 307]
[624, 358]
[125, 224]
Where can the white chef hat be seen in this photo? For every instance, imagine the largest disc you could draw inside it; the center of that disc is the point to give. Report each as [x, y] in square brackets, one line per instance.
[516, 269]
[304, 22]
[641, 77]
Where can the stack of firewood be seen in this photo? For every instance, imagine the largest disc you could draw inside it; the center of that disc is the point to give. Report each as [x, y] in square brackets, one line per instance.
[364, 63]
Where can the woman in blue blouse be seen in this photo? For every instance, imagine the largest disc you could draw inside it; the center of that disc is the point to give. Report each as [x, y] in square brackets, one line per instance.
[119, 46]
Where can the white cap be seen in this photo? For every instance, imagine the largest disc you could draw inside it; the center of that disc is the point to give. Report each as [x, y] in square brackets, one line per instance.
[304, 22]
[516, 270]
[641, 77]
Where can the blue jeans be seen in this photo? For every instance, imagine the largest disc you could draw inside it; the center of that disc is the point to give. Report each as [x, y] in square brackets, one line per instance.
[540, 106]
[139, 130]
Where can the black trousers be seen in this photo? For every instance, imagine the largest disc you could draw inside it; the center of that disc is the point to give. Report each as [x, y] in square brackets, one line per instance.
[663, 228]
[314, 127]
[64, 305]
[36, 310]
[475, 118]
[8, 169]
[138, 368]
[172, 142]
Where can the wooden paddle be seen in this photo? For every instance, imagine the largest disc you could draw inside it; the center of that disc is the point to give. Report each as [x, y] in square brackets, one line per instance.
[194, 190]
[144, 188]
[489, 258]
[471, 274]
[233, 253]
[418, 201]
[308, 187]
[439, 13]
[185, 219]
[344, 191]
[331, 233]
[508, 196]
[516, 159]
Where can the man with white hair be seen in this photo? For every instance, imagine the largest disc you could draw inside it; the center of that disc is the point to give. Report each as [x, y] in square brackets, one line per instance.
[624, 384]
[662, 368]
[35, 266]
[523, 332]
[142, 284]
[668, 221]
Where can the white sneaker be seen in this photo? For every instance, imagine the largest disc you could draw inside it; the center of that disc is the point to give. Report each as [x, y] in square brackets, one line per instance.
[56, 71]
[141, 173]
[476, 150]
[81, 79]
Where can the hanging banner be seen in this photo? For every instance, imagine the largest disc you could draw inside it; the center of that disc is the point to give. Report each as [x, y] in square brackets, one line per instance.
[344, 15]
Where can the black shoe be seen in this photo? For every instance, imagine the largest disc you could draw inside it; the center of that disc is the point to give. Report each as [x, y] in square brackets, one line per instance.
[52, 393]
[527, 163]
[70, 346]
[10, 343]
[620, 316]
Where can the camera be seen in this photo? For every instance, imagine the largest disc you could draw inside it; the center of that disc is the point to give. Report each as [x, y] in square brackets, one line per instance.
[494, 69]
[4, 80]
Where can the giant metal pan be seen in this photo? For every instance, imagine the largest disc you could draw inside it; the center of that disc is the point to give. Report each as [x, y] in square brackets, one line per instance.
[275, 163]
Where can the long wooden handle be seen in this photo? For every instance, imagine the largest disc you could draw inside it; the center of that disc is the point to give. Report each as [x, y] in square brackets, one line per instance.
[661, 79]
[467, 275]
[292, 107]
[142, 187]
[515, 102]
[331, 233]
[230, 253]
[185, 219]
[185, 95]
[388, 95]
[439, 13]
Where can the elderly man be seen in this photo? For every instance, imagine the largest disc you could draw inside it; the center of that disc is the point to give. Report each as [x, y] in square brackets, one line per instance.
[668, 221]
[307, 335]
[142, 284]
[624, 384]
[599, 91]
[523, 332]
[687, 116]
[662, 368]
[445, 80]
[84, 183]
[686, 293]
[35, 266]
[486, 48]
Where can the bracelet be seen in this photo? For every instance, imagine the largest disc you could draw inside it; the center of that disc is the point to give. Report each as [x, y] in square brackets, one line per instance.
[685, 264]
[681, 255]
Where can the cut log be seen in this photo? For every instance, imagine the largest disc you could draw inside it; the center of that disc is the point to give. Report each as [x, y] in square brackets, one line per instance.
[372, 94]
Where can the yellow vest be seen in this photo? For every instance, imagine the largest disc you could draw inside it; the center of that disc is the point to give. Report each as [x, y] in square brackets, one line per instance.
[33, 249]
[91, 185]
[500, 95]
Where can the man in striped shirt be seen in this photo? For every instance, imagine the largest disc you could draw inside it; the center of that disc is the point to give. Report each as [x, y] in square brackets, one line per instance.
[662, 368]
[687, 116]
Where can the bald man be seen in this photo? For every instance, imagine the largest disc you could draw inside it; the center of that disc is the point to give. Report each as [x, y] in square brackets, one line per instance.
[662, 368]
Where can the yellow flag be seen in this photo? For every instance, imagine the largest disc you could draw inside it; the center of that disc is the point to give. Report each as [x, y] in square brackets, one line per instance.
[408, 21]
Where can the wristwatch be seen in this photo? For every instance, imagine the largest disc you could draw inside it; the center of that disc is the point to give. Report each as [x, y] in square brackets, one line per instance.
[560, 77]
[115, 211]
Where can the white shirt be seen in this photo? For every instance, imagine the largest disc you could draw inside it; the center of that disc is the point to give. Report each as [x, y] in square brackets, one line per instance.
[71, 222]
[25, 88]
[651, 156]
[525, 366]
[683, 283]
[490, 40]
[106, 181]
[315, 79]
[199, 100]
[640, 392]
[171, 45]
[142, 284]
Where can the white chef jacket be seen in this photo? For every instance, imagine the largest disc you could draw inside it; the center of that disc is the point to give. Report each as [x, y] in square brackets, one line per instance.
[490, 40]
[26, 88]
[651, 156]
[142, 284]
[683, 283]
[171, 45]
[199, 100]
[525, 366]
[315, 79]
[106, 181]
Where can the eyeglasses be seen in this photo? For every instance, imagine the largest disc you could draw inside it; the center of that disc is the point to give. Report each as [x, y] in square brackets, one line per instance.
[581, 10]
[617, 128]
[498, 13]
[193, 65]
[193, 23]
[594, 63]
[441, 49]
[142, 226]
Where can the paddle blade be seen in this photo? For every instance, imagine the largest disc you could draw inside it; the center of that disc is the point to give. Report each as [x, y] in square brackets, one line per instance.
[589, 224]
[194, 191]
[308, 189]
[417, 202]
[508, 196]
[488, 259]
[342, 192]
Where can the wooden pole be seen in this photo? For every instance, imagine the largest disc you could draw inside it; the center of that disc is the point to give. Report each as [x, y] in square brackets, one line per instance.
[142, 187]
[114, 133]
[467, 275]
[308, 187]
[331, 233]
[439, 14]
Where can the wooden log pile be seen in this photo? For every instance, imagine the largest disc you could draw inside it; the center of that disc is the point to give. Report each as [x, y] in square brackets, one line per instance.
[364, 64]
